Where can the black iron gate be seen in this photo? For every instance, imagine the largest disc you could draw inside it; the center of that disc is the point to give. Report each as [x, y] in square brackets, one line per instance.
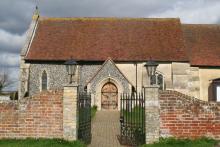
[84, 107]
[132, 119]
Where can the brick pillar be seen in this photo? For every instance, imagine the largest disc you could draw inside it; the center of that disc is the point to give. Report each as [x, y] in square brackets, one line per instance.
[152, 115]
[70, 112]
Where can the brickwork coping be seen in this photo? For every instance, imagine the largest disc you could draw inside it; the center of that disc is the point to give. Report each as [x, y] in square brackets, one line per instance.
[182, 116]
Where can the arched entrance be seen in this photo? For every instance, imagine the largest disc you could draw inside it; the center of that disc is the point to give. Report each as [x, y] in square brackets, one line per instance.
[109, 96]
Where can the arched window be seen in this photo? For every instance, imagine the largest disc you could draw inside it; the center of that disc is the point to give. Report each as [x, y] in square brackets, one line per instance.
[214, 90]
[44, 81]
[158, 79]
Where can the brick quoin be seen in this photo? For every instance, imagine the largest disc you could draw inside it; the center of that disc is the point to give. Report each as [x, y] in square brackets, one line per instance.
[40, 116]
[183, 116]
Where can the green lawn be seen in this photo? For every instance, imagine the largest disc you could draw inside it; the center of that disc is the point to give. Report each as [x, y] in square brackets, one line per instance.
[93, 111]
[39, 143]
[84, 113]
[171, 142]
[136, 115]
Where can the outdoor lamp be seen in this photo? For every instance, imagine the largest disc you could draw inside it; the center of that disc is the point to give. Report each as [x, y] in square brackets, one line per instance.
[71, 68]
[151, 67]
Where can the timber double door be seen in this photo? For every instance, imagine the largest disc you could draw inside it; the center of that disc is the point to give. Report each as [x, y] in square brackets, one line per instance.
[109, 98]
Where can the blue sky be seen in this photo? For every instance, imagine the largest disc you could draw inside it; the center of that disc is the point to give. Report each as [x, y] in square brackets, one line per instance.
[15, 17]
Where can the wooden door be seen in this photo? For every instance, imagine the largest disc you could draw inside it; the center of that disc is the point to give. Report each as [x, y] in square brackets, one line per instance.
[109, 98]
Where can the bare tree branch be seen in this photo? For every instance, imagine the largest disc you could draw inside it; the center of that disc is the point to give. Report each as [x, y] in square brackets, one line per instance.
[5, 81]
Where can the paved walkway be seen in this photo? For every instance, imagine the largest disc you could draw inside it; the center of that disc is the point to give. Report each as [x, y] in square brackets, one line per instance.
[105, 128]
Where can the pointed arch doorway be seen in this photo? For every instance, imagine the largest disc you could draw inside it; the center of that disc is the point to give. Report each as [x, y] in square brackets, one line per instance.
[109, 96]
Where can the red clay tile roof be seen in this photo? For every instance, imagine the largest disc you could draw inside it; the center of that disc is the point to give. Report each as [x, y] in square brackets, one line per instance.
[202, 44]
[96, 39]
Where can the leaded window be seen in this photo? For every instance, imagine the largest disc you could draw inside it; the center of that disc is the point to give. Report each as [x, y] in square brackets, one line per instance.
[157, 79]
[44, 81]
[214, 90]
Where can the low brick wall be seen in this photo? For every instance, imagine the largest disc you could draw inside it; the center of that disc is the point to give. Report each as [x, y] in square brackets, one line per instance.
[37, 116]
[186, 117]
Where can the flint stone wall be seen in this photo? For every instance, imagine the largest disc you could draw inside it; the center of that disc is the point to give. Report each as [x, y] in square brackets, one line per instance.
[56, 75]
[109, 70]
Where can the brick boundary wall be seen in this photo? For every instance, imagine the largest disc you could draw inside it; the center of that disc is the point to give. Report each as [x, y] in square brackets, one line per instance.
[182, 116]
[40, 116]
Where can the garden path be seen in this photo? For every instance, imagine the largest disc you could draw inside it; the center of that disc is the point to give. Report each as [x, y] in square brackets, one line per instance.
[105, 129]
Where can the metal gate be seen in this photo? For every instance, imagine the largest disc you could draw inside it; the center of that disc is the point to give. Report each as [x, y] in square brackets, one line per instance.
[84, 107]
[132, 119]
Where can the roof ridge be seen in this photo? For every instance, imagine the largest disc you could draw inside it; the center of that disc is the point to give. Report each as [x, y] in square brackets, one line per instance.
[183, 24]
[107, 18]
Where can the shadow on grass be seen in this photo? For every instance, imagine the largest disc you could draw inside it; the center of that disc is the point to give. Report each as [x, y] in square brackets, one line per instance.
[29, 142]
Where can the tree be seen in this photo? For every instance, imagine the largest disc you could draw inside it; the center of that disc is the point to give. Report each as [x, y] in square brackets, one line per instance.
[5, 81]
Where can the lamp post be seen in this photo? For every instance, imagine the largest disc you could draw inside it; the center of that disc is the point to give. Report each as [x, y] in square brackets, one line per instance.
[71, 68]
[151, 67]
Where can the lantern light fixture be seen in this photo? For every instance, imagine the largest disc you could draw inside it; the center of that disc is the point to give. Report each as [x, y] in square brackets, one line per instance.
[71, 66]
[151, 67]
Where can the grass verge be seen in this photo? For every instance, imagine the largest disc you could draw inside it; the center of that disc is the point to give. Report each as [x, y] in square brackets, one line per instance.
[172, 142]
[29, 142]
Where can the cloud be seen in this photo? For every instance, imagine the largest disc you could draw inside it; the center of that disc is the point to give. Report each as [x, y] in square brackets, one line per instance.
[103, 8]
[11, 43]
[13, 73]
[196, 11]
[15, 15]
[9, 60]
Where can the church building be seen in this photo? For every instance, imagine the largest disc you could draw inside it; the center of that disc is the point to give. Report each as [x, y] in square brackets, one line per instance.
[111, 54]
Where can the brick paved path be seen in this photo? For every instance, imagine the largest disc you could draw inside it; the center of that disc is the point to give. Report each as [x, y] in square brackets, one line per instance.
[105, 128]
